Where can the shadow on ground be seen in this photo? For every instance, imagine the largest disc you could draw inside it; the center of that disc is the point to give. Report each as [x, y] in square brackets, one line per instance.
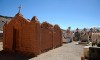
[13, 56]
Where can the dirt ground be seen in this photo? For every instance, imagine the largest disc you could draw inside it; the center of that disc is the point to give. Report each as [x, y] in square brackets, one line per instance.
[69, 51]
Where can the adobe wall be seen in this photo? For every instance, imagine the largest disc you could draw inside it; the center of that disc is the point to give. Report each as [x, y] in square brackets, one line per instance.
[57, 36]
[30, 37]
[46, 36]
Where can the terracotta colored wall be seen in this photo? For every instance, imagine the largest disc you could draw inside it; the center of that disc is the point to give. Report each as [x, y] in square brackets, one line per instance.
[21, 35]
[57, 38]
[30, 37]
[7, 37]
[30, 40]
[46, 36]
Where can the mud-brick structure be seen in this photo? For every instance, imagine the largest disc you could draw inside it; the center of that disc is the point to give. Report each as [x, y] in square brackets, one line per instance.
[57, 36]
[29, 36]
[46, 36]
[51, 36]
[22, 35]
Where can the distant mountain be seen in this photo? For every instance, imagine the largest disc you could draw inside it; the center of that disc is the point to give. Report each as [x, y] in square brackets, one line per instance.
[98, 28]
[3, 19]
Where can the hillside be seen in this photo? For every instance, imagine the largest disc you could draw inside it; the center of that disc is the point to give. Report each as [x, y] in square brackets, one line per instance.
[3, 19]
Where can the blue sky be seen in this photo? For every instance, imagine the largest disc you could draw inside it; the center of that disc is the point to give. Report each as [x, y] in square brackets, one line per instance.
[65, 13]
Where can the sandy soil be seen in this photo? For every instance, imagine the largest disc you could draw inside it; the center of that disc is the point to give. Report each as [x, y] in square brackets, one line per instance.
[69, 51]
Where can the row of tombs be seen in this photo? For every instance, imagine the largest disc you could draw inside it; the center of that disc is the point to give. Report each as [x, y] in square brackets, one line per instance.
[30, 37]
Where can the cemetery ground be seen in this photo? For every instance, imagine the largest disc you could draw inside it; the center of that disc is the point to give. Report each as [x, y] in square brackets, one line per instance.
[69, 51]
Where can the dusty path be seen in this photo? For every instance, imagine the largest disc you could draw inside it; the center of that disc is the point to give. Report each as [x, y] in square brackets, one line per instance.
[68, 51]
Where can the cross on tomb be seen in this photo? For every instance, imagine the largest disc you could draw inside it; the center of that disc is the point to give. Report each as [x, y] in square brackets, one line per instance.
[19, 8]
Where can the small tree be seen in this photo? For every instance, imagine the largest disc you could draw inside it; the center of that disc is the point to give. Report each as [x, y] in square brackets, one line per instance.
[91, 29]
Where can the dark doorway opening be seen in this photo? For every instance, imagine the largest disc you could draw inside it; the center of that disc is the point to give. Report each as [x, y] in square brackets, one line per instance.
[14, 39]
